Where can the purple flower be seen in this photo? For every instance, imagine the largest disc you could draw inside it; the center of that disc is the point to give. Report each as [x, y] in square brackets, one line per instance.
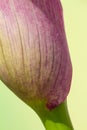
[34, 57]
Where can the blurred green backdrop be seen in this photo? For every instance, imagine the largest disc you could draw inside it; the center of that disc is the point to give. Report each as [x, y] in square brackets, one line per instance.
[16, 115]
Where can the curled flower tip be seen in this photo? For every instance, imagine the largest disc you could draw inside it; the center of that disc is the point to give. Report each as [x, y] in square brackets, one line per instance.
[34, 58]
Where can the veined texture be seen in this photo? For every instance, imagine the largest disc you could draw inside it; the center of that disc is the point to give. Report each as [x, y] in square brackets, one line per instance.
[34, 57]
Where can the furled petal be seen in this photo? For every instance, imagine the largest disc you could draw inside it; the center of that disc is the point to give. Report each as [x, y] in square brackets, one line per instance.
[34, 57]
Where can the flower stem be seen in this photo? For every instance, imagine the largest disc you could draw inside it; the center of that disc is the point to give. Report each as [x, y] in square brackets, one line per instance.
[56, 119]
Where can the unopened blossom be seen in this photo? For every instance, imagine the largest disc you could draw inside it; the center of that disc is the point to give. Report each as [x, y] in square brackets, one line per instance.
[34, 57]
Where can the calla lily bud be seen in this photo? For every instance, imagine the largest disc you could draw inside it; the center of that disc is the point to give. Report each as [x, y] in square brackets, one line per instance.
[34, 57]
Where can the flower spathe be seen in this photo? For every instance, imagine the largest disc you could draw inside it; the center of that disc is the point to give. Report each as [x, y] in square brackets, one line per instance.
[34, 57]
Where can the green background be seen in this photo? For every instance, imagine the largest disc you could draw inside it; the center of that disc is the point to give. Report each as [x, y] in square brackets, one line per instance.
[16, 115]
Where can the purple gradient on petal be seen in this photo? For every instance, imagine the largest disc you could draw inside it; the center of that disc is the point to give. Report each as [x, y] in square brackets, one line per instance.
[40, 57]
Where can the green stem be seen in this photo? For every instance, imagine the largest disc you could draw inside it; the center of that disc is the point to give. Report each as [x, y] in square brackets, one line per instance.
[56, 119]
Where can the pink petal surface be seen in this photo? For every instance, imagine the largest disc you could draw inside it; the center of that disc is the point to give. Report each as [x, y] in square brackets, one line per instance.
[34, 57]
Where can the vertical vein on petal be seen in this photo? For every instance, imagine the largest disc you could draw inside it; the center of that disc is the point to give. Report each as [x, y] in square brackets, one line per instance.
[61, 31]
[38, 42]
[52, 42]
[3, 49]
[3, 54]
[21, 42]
[29, 57]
